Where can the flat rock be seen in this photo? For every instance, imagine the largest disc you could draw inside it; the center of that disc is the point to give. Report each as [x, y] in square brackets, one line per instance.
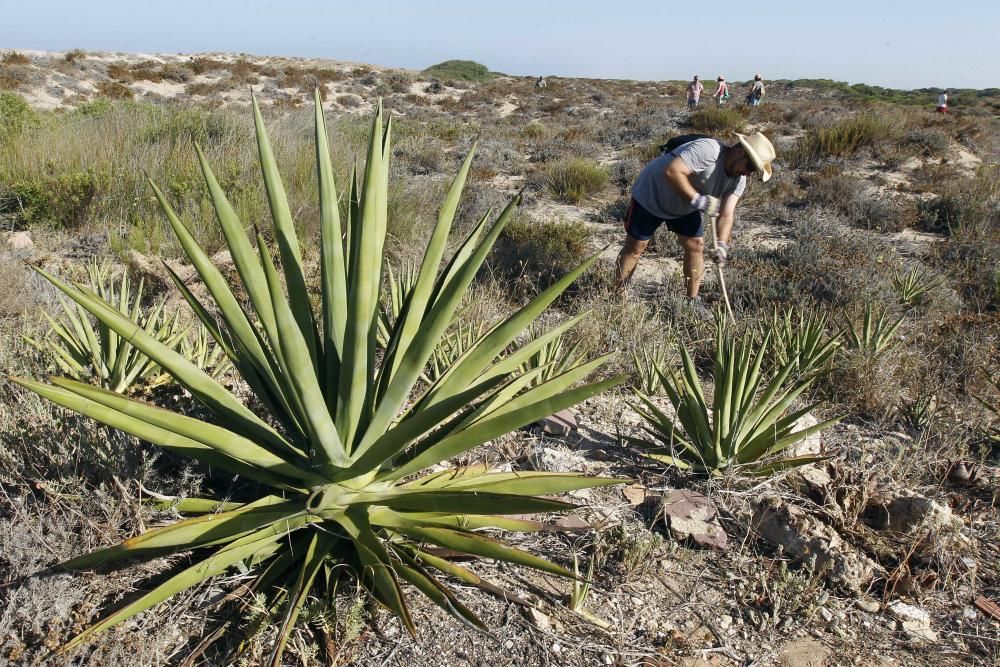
[635, 494]
[907, 513]
[804, 536]
[561, 423]
[693, 517]
[551, 459]
[914, 621]
[809, 446]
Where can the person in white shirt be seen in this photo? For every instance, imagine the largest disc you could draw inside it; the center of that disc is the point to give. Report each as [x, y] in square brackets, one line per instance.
[942, 106]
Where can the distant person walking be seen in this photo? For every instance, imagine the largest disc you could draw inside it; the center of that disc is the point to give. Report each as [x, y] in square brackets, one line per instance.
[721, 93]
[700, 176]
[756, 91]
[942, 106]
[540, 83]
[695, 89]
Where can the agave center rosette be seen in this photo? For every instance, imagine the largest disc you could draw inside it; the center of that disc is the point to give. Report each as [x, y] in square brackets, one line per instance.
[354, 445]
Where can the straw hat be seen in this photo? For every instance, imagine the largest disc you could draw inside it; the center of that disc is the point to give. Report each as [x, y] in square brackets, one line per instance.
[761, 152]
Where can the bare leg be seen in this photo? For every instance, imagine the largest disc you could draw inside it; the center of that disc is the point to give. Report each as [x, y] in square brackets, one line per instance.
[694, 262]
[627, 260]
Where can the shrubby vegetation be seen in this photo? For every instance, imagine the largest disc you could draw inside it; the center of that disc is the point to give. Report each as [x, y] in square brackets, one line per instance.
[459, 70]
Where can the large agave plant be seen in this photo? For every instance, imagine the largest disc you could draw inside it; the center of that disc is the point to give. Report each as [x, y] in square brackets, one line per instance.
[747, 425]
[352, 443]
[96, 353]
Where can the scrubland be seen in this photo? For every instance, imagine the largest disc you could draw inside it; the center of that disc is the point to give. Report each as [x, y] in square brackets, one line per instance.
[881, 227]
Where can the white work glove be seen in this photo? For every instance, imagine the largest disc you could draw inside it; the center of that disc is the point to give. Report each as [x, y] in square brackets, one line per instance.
[720, 254]
[707, 204]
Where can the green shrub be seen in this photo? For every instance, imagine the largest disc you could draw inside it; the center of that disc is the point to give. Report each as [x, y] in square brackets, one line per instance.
[573, 180]
[538, 252]
[94, 108]
[717, 121]
[460, 70]
[746, 426]
[114, 90]
[841, 139]
[15, 114]
[930, 141]
[63, 201]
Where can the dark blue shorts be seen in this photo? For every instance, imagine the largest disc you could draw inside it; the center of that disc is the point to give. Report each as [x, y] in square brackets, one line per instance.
[640, 224]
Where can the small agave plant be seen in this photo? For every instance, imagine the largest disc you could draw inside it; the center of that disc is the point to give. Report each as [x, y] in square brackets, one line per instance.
[747, 425]
[353, 446]
[97, 353]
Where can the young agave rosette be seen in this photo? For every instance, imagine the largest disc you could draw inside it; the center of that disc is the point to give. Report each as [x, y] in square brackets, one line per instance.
[96, 353]
[350, 434]
[748, 423]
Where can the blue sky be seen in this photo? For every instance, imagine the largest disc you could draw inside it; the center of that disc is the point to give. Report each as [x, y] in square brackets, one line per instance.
[911, 44]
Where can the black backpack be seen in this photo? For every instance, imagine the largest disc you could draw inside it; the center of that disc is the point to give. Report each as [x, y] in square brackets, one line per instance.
[679, 141]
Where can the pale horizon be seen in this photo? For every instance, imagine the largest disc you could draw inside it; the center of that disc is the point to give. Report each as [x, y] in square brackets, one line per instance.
[919, 45]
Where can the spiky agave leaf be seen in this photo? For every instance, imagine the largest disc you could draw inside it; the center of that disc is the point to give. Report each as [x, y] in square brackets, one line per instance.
[747, 423]
[349, 431]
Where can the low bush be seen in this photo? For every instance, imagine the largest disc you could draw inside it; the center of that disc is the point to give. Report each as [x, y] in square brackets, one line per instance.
[861, 205]
[840, 139]
[819, 263]
[573, 180]
[15, 114]
[717, 121]
[535, 254]
[459, 70]
[114, 90]
[61, 201]
[74, 55]
[15, 58]
[930, 141]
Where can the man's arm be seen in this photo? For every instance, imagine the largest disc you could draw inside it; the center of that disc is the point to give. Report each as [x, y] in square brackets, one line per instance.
[678, 175]
[727, 214]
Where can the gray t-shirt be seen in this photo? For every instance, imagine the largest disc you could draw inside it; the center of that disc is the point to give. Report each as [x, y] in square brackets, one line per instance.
[657, 196]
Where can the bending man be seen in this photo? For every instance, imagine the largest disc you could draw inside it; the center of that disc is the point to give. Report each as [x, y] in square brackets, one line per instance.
[701, 176]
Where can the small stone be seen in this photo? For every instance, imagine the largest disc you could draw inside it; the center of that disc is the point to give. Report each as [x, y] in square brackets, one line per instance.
[870, 606]
[811, 445]
[538, 619]
[20, 241]
[914, 621]
[509, 644]
[725, 622]
[550, 459]
[909, 512]
[805, 537]
[635, 494]
[561, 423]
[825, 614]
[692, 516]
[556, 648]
